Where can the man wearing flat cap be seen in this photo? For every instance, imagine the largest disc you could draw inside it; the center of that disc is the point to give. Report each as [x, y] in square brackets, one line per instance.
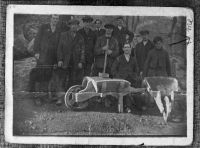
[120, 32]
[71, 56]
[142, 49]
[89, 40]
[106, 43]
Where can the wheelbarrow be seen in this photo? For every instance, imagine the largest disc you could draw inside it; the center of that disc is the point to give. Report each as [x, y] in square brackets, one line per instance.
[162, 90]
[77, 96]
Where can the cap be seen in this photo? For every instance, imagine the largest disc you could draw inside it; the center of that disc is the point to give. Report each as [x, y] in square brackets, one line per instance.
[144, 32]
[87, 19]
[109, 26]
[129, 33]
[157, 39]
[73, 22]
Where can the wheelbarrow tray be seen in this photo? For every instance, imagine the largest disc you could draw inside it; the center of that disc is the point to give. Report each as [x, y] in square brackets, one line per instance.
[162, 91]
[98, 86]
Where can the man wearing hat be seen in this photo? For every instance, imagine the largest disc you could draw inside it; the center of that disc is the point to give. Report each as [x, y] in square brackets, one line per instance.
[120, 32]
[89, 40]
[106, 43]
[157, 62]
[142, 49]
[71, 57]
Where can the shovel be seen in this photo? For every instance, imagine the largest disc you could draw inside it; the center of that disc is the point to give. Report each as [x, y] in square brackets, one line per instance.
[104, 74]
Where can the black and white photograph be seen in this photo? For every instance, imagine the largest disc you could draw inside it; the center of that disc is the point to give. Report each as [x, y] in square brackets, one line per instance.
[99, 75]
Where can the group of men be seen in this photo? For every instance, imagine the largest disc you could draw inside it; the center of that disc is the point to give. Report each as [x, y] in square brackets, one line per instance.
[76, 53]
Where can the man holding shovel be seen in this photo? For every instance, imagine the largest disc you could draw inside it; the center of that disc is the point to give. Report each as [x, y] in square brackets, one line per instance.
[106, 50]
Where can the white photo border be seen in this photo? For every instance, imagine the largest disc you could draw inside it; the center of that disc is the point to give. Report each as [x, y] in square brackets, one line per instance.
[97, 10]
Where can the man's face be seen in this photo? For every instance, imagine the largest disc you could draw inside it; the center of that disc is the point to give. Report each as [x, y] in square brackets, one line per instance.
[54, 19]
[159, 45]
[127, 49]
[74, 27]
[87, 25]
[32, 33]
[145, 37]
[98, 24]
[120, 22]
[109, 32]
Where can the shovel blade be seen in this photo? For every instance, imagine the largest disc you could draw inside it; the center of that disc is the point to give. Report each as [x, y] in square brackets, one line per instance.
[104, 75]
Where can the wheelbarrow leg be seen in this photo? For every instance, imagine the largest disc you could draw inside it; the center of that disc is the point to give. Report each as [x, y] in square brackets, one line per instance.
[120, 103]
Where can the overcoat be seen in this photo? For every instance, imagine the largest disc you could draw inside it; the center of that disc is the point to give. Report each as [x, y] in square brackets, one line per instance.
[100, 54]
[157, 63]
[89, 41]
[124, 69]
[141, 52]
[98, 33]
[46, 44]
[120, 36]
[71, 49]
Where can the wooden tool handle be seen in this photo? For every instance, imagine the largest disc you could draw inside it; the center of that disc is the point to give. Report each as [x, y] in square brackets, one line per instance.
[105, 59]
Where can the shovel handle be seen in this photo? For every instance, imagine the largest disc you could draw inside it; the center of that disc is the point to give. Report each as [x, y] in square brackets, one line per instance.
[105, 62]
[105, 59]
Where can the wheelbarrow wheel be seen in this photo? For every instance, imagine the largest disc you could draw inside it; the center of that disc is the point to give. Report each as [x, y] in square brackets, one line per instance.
[70, 101]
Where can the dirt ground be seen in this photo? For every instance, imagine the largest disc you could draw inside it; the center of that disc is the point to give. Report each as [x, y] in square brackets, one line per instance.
[49, 119]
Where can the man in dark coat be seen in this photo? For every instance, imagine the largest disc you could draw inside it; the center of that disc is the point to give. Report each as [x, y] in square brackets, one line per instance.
[142, 49]
[89, 40]
[106, 43]
[45, 46]
[125, 66]
[71, 57]
[158, 62]
[120, 32]
[46, 42]
[99, 31]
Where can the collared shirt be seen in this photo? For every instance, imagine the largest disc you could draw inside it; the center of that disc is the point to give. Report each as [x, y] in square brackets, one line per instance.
[127, 57]
[144, 42]
[53, 28]
[119, 27]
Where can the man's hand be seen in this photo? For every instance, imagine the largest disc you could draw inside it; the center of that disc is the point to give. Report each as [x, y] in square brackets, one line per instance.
[105, 47]
[80, 65]
[109, 51]
[37, 56]
[60, 63]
